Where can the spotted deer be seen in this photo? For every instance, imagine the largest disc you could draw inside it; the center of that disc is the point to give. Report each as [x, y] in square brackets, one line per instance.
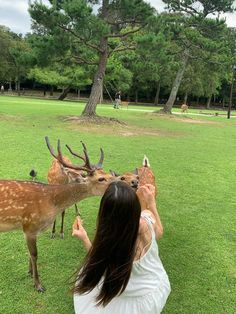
[140, 176]
[124, 104]
[131, 178]
[184, 108]
[58, 174]
[33, 206]
[146, 175]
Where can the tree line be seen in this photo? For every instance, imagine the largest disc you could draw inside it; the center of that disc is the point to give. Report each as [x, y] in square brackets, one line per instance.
[125, 45]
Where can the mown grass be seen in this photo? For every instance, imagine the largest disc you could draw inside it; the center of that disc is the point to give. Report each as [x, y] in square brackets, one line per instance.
[194, 160]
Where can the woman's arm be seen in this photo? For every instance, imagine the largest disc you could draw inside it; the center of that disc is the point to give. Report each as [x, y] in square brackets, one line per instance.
[79, 232]
[147, 200]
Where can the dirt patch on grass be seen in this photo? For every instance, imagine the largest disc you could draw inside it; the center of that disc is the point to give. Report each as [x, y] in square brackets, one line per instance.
[185, 119]
[195, 121]
[108, 126]
[97, 120]
[8, 117]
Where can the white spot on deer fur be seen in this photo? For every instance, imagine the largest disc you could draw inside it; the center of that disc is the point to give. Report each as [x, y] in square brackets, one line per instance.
[6, 208]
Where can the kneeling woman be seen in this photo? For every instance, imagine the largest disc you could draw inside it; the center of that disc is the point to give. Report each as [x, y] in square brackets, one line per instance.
[122, 272]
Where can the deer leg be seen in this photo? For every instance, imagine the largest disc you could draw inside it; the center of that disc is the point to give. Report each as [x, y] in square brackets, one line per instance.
[62, 224]
[30, 268]
[31, 244]
[76, 210]
[53, 230]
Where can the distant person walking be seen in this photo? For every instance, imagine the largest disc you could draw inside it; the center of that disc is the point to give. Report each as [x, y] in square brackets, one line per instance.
[2, 89]
[117, 100]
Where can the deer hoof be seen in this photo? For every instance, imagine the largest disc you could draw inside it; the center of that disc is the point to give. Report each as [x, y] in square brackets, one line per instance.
[53, 235]
[40, 289]
[62, 235]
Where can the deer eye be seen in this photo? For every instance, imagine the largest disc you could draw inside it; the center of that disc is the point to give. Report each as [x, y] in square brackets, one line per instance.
[101, 179]
[122, 178]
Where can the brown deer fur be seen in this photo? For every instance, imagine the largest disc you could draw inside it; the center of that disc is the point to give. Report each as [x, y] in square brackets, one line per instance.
[184, 108]
[146, 175]
[57, 174]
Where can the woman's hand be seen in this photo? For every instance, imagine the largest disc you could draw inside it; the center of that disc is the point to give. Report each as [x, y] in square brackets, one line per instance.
[146, 195]
[78, 229]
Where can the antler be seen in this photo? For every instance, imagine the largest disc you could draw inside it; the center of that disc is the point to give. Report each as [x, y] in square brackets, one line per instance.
[86, 167]
[86, 157]
[99, 164]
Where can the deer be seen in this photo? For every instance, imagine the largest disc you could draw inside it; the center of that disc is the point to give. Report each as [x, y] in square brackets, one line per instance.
[184, 108]
[140, 176]
[131, 178]
[124, 104]
[58, 174]
[146, 175]
[33, 206]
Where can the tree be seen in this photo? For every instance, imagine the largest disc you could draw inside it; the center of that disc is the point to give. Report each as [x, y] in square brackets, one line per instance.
[16, 57]
[196, 34]
[95, 30]
[60, 76]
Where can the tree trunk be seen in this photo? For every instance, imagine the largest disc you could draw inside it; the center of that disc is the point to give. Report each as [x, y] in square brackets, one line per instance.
[197, 101]
[209, 102]
[101, 95]
[78, 93]
[136, 96]
[64, 93]
[168, 106]
[18, 87]
[156, 101]
[90, 108]
[185, 98]
[10, 87]
[51, 91]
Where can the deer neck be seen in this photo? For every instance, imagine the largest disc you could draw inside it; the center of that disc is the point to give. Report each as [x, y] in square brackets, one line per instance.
[71, 193]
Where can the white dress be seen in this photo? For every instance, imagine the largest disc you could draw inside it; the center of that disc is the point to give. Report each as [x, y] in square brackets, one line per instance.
[147, 290]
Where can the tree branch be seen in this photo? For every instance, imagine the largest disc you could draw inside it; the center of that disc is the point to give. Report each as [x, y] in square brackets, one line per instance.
[81, 60]
[124, 34]
[118, 49]
[83, 40]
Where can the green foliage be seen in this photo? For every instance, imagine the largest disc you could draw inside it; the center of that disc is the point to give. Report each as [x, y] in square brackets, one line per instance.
[117, 76]
[200, 8]
[60, 76]
[16, 56]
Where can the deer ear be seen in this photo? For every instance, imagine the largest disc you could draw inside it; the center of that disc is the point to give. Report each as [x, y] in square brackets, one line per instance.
[136, 171]
[113, 173]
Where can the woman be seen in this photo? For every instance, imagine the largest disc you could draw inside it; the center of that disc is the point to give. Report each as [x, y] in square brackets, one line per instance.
[122, 272]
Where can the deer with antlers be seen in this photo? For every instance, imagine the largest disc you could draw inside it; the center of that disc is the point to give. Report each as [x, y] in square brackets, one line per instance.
[58, 174]
[33, 206]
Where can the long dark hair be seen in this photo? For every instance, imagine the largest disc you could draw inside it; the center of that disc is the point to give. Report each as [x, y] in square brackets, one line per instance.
[113, 249]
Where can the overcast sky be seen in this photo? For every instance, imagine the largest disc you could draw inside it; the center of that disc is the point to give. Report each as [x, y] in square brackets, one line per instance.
[14, 14]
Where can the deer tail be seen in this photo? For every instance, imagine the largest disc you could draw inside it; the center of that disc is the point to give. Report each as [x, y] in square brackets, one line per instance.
[146, 161]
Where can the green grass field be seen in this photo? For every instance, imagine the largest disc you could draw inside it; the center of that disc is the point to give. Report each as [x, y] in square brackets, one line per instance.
[194, 160]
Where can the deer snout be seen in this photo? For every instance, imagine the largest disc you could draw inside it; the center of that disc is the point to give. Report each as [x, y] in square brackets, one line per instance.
[134, 184]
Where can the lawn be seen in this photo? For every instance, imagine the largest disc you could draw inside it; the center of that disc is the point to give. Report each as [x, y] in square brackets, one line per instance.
[194, 160]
